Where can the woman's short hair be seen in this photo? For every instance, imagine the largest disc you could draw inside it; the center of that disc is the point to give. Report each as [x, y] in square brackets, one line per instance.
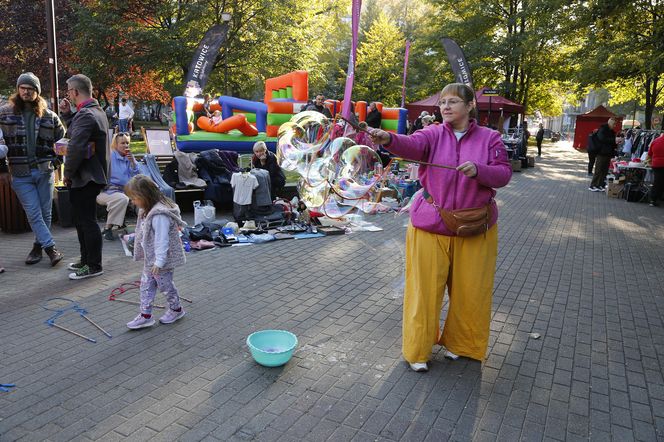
[115, 141]
[463, 91]
[259, 145]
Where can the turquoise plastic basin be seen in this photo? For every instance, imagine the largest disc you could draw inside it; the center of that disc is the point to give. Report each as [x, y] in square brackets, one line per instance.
[272, 348]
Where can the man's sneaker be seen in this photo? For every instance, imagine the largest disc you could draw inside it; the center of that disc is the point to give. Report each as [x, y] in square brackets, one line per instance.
[592, 188]
[85, 272]
[140, 321]
[171, 316]
[601, 189]
[73, 266]
[419, 367]
[107, 234]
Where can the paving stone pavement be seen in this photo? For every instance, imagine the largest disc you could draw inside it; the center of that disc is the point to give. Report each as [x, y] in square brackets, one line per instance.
[582, 270]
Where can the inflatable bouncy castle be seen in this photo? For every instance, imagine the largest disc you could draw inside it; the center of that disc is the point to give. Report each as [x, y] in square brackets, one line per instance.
[243, 122]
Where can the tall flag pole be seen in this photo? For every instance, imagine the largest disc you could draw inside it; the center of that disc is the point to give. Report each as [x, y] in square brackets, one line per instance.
[350, 77]
[405, 72]
[458, 63]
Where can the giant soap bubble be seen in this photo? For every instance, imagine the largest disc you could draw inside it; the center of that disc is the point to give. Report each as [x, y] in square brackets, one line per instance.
[335, 174]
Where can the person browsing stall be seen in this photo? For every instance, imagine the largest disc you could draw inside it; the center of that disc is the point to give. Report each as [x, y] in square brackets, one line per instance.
[123, 167]
[158, 245]
[452, 237]
[656, 158]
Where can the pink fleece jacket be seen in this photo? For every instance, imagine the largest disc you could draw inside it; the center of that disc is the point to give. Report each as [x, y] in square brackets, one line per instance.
[451, 189]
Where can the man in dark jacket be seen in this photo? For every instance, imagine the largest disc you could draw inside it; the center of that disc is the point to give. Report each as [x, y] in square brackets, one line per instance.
[374, 116]
[86, 172]
[30, 132]
[606, 141]
[319, 106]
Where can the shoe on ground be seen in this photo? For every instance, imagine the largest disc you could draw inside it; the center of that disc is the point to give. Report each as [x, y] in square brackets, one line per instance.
[54, 255]
[140, 321]
[419, 367]
[592, 188]
[601, 189]
[451, 356]
[171, 316]
[107, 234]
[73, 266]
[35, 255]
[85, 272]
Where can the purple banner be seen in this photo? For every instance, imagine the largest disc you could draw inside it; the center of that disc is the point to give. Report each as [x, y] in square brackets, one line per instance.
[350, 77]
[405, 72]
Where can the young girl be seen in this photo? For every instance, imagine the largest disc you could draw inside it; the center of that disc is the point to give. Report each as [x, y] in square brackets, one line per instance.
[158, 243]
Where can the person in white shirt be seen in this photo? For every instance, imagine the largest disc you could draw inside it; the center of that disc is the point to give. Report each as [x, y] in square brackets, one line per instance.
[125, 114]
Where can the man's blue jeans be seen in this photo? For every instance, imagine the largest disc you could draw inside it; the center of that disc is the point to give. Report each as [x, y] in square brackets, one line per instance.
[35, 192]
[123, 125]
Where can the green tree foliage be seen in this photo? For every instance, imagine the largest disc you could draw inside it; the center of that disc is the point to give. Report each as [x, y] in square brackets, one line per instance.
[379, 67]
[512, 45]
[24, 42]
[623, 50]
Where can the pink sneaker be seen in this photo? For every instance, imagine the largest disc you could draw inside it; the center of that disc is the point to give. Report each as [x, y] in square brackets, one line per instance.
[171, 316]
[141, 321]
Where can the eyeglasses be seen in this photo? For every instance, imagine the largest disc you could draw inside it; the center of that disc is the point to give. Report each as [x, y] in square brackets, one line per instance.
[449, 102]
[27, 89]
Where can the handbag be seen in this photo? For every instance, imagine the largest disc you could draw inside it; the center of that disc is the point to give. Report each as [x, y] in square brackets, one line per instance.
[204, 212]
[463, 222]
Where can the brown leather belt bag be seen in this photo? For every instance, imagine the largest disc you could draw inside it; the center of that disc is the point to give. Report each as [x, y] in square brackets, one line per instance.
[463, 222]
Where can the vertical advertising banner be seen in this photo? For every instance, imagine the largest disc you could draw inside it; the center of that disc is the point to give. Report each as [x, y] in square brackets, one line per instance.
[350, 77]
[458, 63]
[405, 72]
[203, 59]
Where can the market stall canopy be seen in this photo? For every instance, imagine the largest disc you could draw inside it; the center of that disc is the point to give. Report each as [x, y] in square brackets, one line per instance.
[591, 120]
[497, 102]
[429, 104]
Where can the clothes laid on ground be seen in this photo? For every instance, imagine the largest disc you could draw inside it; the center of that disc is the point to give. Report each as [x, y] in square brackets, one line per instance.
[212, 167]
[187, 171]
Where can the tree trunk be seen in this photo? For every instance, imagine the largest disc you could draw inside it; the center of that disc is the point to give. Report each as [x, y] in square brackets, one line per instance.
[651, 97]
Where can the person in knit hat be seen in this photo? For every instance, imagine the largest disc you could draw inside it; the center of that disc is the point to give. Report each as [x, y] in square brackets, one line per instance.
[30, 131]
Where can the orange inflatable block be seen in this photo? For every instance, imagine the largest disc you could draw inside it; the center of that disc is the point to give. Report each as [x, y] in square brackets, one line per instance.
[238, 122]
[390, 113]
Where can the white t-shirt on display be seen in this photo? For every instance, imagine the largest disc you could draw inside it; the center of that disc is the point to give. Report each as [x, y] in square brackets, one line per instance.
[243, 187]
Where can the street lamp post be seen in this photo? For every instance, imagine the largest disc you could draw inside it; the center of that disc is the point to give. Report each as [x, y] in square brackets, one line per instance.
[636, 101]
[226, 18]
[52, 54]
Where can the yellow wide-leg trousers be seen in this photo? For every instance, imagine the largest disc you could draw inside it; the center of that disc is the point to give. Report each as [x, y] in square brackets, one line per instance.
[467, 267]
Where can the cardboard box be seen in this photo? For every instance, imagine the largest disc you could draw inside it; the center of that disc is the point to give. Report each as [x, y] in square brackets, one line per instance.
[614, 190]
[516, 165]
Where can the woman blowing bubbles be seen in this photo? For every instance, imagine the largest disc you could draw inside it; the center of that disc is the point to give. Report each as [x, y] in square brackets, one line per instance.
[446, 245]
